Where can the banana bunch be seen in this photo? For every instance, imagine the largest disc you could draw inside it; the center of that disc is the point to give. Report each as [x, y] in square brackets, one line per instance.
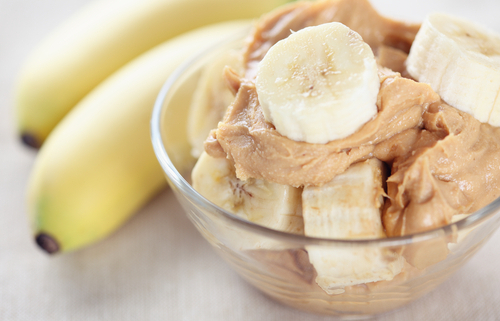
[87, 94]
[98, 167]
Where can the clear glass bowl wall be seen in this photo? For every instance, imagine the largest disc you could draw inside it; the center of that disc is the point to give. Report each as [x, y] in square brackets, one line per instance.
[277, 263]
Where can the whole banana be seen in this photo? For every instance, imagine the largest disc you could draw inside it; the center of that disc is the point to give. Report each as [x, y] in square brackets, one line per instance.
[99, 40]
[98, 166]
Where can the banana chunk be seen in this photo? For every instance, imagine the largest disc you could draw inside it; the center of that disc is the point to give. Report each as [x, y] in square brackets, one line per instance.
[461, 62]
[266, 203]
[210, 99]
[349, 207]
[318, 84]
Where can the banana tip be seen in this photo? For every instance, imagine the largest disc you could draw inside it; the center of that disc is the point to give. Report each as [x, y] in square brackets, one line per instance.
[30, 140]
[47, 243]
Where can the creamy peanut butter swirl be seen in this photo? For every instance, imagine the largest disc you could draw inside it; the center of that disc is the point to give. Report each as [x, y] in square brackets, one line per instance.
[450, 166]
[259, 151]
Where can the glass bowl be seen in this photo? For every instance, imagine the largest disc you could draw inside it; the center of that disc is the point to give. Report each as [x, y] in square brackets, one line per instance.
[278, 263]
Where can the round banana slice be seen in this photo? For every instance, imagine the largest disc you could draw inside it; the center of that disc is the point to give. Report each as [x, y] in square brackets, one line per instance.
[319, 84]
[460, 60]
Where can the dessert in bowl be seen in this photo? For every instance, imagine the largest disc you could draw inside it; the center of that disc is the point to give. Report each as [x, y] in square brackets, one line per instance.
[354, 224]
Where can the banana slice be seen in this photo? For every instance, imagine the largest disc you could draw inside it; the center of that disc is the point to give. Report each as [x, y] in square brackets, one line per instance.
[211, 99]
[461, 62]
[349, 207]
[319, 84]
[269, 204]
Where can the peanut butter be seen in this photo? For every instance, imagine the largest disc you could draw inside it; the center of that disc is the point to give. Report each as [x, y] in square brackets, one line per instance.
[443, 161]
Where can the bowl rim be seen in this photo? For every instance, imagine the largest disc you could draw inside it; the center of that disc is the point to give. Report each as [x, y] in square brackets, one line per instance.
[182, 185]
